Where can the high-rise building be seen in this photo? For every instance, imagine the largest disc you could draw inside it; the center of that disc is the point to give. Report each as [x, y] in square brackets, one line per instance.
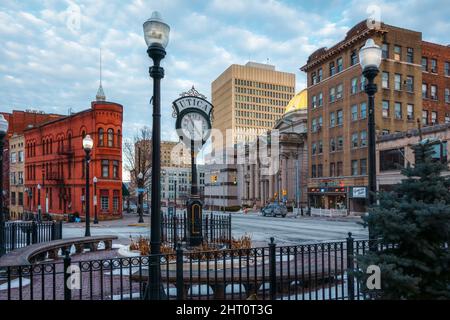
[248, 100]
[337, 110]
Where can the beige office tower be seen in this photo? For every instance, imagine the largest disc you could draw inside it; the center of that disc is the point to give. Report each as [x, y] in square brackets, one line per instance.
[248, 100]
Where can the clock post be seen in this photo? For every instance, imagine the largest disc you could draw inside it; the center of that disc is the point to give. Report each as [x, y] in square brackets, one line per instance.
[194, 206]
[194, 116]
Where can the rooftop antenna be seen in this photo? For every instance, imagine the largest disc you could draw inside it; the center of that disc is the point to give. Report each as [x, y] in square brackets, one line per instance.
[100, 93]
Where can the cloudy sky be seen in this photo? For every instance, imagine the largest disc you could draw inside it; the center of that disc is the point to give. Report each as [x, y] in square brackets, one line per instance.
[49, 56]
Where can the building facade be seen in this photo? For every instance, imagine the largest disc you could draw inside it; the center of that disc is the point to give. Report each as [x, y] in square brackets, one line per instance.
[435, 83]
[55, 162]
[248, 100]
[16, 173]
[337, 111]
[221, 187]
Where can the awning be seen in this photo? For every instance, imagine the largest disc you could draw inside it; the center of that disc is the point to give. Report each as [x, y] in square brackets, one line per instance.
[125, 192]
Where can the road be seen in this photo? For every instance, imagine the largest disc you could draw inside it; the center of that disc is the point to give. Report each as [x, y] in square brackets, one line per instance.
[289, 230]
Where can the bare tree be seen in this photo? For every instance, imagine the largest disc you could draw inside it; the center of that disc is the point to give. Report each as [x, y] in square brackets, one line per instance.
[137, 154]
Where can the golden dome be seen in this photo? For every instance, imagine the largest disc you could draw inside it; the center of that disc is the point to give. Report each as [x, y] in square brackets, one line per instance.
[298, 102]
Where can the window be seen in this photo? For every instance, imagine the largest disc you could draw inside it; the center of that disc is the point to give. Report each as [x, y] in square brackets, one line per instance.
[110, 137]
[447, 95]
[314, 125]
[434, 65]
[410, 111]
[385, 110]
[313, 171]
[353, 58]
[339, 91]
[354, 112]
[354, 88]
[20, 177]
[425, 117]
[320, 147]
[104, 202]
[410, 83]
[320, 99]
[20, 156]
[363, 166]
[397, 53]
[398, 110]
[332, 68]
[433, 92]
[340, 143]
[340, 170]
[13, 198]
[13, 157]
[313, 78]
[319, 123]
[447, 118]
[363, 110]
[385, 51]
[20, 194]
[398, 82]
[424, 90]
[313, 102]
[355, 140]
[363, 137]
[410, 55]
[319, 170]
[354, 167]
[115, 169]
[115, 200]
[392, 159]
[434, 117]
[385, 80]
[332, 169]
[313, 148]
[119, 143]
[362, 82]
[101, 137]
[320, 75]
[339, 65]
[105, 168]
[332, 145]
[424, 64]
[332, 119]
[340, 117]
[332, 94]
[385, 132]
[447, 69]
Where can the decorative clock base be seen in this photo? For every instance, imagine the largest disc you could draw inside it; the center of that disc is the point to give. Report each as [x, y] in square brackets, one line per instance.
[195, 211]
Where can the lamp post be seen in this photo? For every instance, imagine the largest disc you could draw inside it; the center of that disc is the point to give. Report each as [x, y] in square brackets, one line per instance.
[140, 197]
[95, 200]
[3, 131]
[88, 143]
[370, 60]
[39, 215]
[156, 34]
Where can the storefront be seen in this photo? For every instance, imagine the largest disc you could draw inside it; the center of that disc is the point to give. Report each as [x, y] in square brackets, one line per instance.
[358, 199]
[328, 198]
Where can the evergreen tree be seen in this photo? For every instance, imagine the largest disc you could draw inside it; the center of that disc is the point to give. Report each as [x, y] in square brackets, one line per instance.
[414, 222]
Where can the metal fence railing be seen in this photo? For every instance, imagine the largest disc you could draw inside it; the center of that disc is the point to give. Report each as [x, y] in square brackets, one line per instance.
[20, 234]
[318, 271]
[216, 228]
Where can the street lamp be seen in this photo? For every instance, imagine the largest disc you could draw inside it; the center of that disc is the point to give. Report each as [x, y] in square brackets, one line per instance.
[370, 60]
[3, 131]
[88, 143]
[39, 217]
[95, 200]
[156, 34]
[140, 196]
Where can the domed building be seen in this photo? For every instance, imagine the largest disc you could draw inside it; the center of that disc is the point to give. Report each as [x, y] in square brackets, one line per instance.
[284, 178]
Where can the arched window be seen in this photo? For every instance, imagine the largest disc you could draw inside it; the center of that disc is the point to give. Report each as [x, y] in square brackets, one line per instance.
[118, 139]
[69, 140]
[110, 137]
[101, 137]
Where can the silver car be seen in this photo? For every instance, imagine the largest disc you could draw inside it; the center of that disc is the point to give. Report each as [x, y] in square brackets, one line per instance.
[274, 209]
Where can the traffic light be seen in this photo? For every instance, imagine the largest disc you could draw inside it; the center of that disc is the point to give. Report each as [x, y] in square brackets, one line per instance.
[284, 192]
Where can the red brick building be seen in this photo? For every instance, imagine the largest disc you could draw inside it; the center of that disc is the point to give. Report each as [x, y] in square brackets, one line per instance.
[54, 158]
[18, 121]
[435, 83]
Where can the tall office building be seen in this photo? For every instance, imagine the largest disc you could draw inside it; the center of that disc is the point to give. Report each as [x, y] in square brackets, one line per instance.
[248, 100]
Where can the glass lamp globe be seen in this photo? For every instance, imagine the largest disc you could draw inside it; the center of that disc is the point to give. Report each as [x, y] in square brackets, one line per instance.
[140, 175]
[3, 125]
[88, 143]
[156, 31]
[95, 179]
[370, 55]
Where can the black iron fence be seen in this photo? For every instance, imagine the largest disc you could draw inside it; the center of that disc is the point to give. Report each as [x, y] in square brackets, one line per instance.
[216, 228]
[319, 271]
[24, 233]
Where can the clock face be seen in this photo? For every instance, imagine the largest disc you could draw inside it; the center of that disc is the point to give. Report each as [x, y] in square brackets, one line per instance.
[195, 126]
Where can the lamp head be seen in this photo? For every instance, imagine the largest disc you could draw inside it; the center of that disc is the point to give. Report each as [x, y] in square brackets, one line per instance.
[156, 31]
[95, 179]
[370, 55]
[88, 143]
[140, 175]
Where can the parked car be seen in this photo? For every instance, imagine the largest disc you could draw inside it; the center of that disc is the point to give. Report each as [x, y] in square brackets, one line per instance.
[274, 209]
